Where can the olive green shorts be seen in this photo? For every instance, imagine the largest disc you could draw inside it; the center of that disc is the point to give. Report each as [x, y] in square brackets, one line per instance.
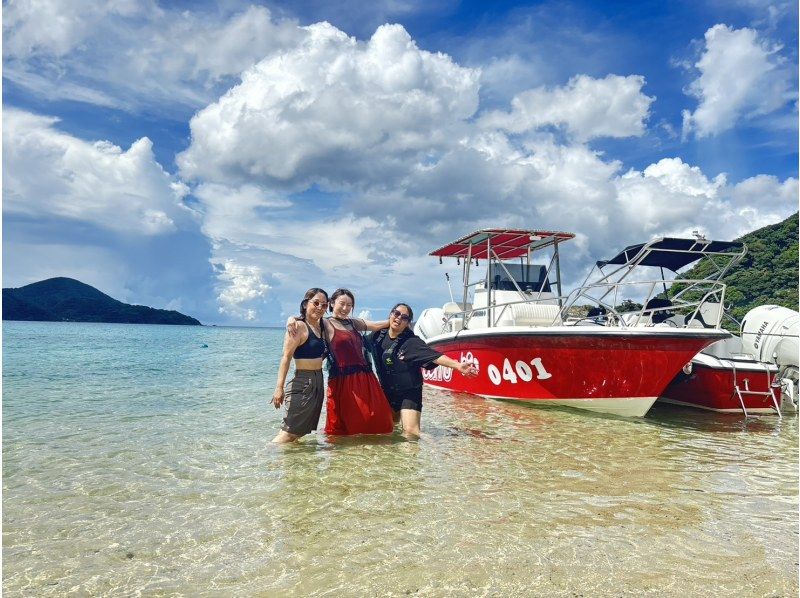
[305, 394]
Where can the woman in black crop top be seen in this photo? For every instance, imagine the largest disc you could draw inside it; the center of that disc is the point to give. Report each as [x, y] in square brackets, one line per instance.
[305, 393]
[314, 347]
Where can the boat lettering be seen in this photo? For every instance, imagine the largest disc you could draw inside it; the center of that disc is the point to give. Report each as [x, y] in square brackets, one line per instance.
[444, 374]
[759, 334]
[438, 374]
[541, 373]
[520, 371]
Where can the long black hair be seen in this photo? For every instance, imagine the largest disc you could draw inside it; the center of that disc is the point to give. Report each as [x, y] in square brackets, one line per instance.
[308, 297]
[338, 293]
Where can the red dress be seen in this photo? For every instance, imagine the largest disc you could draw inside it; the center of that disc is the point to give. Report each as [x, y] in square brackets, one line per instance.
[356, 403]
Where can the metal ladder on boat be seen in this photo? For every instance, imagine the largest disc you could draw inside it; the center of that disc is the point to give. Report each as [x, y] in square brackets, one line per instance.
[746, 391]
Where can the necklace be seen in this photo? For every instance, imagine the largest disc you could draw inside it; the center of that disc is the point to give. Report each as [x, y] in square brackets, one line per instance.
[316, 327]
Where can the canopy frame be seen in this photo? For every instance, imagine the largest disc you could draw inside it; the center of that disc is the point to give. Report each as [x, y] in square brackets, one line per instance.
[497, 245]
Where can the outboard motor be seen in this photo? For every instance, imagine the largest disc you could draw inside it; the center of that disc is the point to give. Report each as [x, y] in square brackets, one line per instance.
[430, 323]
[770, 333]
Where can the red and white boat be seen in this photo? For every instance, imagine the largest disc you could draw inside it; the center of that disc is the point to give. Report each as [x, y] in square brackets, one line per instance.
[514, 324]
[725, 383]
[752, 373]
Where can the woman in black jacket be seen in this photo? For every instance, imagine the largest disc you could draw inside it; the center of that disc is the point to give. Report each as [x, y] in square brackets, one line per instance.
[399, 354]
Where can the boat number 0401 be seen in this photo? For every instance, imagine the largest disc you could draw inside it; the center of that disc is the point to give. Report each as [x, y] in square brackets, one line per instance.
[522, 370]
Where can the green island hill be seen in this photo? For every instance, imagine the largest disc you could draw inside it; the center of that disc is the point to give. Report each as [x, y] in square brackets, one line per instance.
[69, 300]
[767, 275]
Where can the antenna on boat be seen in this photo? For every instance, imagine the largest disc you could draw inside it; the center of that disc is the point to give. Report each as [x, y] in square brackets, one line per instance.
[447, 276]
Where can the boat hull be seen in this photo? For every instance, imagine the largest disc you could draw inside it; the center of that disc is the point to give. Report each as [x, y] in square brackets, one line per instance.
[711, 386]
[614, 371]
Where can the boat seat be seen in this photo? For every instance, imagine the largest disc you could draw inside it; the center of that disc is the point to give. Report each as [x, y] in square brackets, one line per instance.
[725, 348]
[536, 314]
[451, 307]
[658, 310]
[454, 316]
[706, 316]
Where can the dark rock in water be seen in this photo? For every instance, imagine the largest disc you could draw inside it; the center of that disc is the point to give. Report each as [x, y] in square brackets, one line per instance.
[69, 300]
[129, 555]
[204, 346]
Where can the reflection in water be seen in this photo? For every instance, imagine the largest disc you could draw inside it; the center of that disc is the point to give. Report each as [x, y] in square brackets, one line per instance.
[170, 485]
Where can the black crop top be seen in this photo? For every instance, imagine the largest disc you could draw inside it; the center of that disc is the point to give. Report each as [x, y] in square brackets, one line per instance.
[313, 348]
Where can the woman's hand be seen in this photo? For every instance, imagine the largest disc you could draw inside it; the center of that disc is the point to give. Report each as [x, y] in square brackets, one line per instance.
[468, 370]
[292, 326]
[277, 398]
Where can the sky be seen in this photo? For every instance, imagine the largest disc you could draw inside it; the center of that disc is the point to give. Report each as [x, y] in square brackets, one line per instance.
[221, 158]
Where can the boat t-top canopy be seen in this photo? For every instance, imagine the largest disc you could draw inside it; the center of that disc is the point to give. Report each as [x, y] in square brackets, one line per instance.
[673, 253]
[505, 243]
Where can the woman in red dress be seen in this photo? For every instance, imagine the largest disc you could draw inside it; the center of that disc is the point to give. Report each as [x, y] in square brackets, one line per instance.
[356, 403]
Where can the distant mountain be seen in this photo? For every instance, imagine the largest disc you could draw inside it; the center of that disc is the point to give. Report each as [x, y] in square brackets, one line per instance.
[767, 274]
[69, 300]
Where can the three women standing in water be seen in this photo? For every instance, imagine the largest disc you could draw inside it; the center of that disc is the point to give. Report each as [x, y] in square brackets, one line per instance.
[356, 402]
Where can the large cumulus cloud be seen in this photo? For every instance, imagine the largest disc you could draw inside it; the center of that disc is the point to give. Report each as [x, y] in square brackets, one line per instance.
[333, 111]
[380, 152]
[50, 173]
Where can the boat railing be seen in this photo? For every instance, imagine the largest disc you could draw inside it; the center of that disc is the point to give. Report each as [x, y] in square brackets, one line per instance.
[696, 303]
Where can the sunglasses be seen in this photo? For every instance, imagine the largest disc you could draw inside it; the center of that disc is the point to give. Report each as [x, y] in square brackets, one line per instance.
[317, 303]
[398, 314]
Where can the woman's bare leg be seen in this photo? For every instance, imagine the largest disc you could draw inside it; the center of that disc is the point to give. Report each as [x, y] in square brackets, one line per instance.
[284, 437]
[411, 421]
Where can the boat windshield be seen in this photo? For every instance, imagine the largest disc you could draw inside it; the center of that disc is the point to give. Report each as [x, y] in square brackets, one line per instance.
[531, 278]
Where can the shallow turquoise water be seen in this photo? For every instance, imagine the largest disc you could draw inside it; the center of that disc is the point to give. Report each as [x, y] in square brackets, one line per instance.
[136, 461]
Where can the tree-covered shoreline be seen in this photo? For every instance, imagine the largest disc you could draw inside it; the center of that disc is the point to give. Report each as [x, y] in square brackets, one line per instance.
[768, 273]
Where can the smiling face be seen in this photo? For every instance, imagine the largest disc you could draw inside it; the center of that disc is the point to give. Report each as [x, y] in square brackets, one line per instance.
[342, 306]
[399, 319]
[316, 306]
